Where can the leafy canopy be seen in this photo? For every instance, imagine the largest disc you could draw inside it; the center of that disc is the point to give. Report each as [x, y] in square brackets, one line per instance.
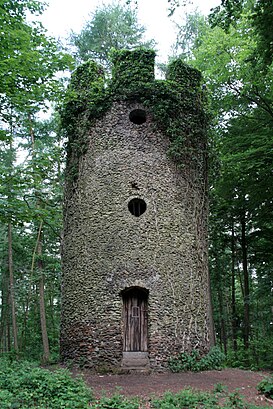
[29, 59]
[112, 26]
[234, 54]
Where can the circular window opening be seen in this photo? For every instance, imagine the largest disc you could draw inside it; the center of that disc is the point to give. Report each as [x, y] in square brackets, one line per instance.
[137, 116]
[137, 206]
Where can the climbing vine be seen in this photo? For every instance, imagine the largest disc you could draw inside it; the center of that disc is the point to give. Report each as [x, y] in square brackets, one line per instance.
[86, 99]
[175, 103]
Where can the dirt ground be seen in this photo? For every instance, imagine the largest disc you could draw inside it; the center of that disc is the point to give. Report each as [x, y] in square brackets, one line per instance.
[145, 385]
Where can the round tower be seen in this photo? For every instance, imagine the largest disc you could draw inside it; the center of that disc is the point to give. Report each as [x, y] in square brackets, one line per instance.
[135, 283]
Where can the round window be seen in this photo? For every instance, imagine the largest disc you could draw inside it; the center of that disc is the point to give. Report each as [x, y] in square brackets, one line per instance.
[138, 116]
[137, 206]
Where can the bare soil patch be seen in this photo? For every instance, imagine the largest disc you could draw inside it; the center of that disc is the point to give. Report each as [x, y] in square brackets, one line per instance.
[146, 385]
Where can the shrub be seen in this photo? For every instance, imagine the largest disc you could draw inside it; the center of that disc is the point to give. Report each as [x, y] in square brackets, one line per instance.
[117, 401]
[24, 385]
[184, 399]
[266, 386]
[190, 399]
[194, 362]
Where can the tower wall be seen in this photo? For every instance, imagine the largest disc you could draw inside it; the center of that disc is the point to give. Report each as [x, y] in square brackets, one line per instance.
[108, 251]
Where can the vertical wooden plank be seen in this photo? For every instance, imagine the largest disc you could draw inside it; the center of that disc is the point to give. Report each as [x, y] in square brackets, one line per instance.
[135, 321]
[141, 324]
[125, 325]
[145, 325]
[129, 324]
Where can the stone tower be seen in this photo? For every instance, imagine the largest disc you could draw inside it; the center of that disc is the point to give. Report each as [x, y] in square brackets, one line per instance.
[135, 285]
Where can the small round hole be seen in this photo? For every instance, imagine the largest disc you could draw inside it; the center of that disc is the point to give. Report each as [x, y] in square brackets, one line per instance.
[137, 116]
[137, 206]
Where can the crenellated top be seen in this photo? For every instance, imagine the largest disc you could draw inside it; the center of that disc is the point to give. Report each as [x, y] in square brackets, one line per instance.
[176, 103]
[132, 70]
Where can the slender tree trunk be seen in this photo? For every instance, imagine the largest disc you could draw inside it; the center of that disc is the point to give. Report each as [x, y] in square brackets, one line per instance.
[42, 301]
[246, 285]
[7, 337]
[223, 332]
[4, 310]
[3, 313]
[39, 262]
[8, 347]
[26, 310]
[233, 295]
[11, 289]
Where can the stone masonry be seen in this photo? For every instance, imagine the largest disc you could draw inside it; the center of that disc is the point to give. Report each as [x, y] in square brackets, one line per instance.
[109, 251]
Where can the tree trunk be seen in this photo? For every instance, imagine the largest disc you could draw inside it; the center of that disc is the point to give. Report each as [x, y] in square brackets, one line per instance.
[4, 310]
[39, 262]
[26, 309]
[233, 295]
[246, 285]
[42, 301]
[11, 289]
[223, 332]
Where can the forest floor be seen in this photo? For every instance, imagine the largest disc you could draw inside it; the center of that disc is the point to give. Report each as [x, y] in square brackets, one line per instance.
[146, 385]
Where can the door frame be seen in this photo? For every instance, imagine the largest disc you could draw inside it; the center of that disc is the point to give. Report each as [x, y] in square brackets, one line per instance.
[135, 319]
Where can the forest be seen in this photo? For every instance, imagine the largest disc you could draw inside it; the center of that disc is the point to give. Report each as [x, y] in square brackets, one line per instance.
[233, 48]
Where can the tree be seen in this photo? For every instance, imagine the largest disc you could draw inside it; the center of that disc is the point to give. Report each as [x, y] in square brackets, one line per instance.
[111, 27]
[238, 75]
[29, 59]
[190, 34]
[28, 83]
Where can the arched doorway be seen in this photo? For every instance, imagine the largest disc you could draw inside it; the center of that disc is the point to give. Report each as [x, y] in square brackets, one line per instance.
[135, 320]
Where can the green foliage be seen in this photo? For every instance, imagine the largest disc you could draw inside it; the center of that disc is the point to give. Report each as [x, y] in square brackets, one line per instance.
[85, 100]
[185, 75]
[266, 386]
[28, 59]
[31, 195]
[117, 401]
[234, 57]
[30, 191]
[226, 14]
[259, 14]
[262, 23]
[189, 36]
[132, 71]
[188, 398]
[111, 26]
[24, 385]
[184, 399]
[214, 359]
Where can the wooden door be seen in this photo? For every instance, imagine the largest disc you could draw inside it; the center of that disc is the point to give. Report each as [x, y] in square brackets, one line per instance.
[135, 318]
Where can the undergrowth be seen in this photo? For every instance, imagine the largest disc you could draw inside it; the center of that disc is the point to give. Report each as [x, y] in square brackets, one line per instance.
[195, 362]
[24, 385]
[189, 398]
[266, 386]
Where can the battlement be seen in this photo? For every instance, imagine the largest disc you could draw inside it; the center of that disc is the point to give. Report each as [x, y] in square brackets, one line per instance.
[175, 104]
[133, 70]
